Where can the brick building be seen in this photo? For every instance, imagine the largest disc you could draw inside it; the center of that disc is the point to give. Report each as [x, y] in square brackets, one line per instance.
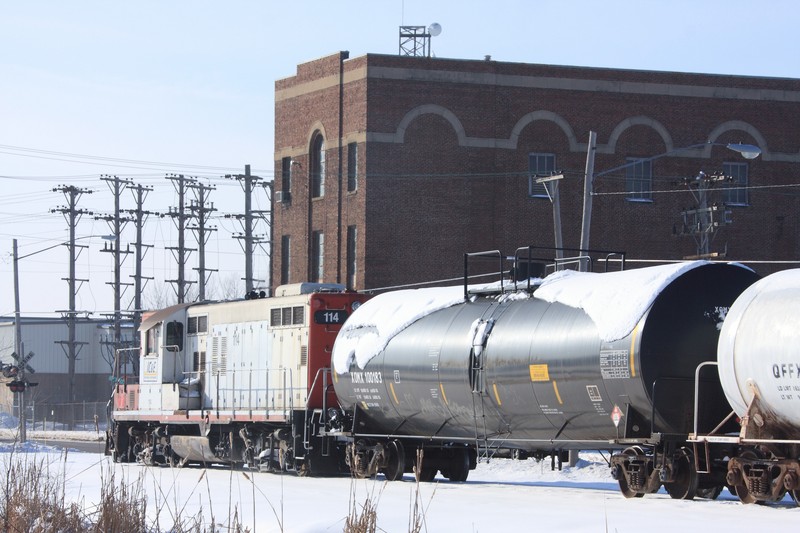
[389, 168]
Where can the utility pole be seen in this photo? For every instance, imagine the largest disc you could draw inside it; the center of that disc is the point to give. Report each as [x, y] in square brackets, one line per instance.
[704, 220]
[139, 281]
[72, 215]
[116, 222]
[248, 240]
[587, 197]
[180, 252]
[19, 350]
[200, 213]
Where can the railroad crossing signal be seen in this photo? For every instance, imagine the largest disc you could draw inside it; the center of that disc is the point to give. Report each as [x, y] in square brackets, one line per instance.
[19, 386]
[22, 362]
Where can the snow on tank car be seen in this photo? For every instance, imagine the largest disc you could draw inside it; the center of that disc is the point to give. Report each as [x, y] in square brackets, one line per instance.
[587, 361]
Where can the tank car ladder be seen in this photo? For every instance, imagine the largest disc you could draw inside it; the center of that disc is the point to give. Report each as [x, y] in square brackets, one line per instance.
[478, 384]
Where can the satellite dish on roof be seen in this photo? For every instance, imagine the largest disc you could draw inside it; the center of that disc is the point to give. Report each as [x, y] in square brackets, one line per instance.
[435, 29]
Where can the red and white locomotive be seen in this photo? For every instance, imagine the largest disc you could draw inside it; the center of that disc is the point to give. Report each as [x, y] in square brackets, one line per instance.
[243, 382]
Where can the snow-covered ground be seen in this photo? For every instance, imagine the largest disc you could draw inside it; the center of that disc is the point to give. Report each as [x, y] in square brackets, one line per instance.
[502, 495]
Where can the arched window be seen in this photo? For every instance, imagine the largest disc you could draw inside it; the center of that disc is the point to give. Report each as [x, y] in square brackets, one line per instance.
[318, 166]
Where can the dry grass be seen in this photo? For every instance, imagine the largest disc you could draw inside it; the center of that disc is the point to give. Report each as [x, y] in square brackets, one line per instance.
[33, 500]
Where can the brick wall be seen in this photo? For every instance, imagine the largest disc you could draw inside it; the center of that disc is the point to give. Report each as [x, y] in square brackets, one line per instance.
[443, 156]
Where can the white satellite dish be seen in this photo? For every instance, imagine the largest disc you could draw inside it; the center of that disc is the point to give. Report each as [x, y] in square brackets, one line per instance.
[435, 29]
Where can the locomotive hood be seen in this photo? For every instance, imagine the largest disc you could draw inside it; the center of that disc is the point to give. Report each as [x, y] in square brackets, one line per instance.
[615, 301]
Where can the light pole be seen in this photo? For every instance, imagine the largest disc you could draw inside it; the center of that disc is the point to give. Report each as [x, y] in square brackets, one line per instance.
[18, 344]
[748, 151]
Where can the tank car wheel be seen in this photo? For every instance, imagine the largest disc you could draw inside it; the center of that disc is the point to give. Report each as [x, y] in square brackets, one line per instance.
[685, 485]
[395, 462]
[624, 488]
[742, 491]
[709, 493]
[459, 467]
[425, 474]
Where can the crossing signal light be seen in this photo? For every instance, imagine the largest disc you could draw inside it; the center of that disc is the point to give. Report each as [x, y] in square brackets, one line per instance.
[19, 386]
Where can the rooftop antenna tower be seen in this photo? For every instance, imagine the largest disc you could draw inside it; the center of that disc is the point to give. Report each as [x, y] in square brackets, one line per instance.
[415, 41]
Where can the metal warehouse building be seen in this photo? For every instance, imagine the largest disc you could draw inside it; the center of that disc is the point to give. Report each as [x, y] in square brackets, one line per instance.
[45, 337]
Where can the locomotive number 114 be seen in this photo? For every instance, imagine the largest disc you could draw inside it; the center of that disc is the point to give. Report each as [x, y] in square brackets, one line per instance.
[330, 316]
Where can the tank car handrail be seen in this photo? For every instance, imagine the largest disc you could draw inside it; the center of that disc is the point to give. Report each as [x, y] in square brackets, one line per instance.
[487, 253]
[653, 398]
[697, 394]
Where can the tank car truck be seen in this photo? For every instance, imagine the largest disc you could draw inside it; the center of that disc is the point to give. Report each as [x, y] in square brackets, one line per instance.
[241, 382]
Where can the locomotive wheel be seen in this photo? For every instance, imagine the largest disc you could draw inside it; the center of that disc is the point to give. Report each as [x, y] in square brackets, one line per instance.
[396, 461]
[174, 460]
[684, 486]
[304, 468]
[623, 482]
[795, 494]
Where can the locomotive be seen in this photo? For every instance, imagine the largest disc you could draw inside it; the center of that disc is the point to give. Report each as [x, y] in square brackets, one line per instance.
[319, 380]
[239, 382]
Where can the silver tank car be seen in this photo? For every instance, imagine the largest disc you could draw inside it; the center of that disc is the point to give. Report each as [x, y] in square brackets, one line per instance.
[559, 369]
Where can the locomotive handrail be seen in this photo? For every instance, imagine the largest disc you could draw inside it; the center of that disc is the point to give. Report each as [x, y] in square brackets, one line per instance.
[116, 374]
[174, 361]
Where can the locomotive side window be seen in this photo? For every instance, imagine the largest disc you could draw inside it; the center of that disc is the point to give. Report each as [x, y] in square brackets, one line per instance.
[287, 316]
[150, 342]
[199, 362]
[174, 336]
[197, 324]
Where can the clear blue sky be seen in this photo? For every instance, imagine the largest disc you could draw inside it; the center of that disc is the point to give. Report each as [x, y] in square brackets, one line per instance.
[192, 83]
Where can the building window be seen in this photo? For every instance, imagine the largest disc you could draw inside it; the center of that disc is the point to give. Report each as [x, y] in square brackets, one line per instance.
[317, 256]
[285, 259]
[351, 257]
[352, 166]
[539, 166]
[318, 166]
[286, 179]
[736, 188]
[639, 180]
